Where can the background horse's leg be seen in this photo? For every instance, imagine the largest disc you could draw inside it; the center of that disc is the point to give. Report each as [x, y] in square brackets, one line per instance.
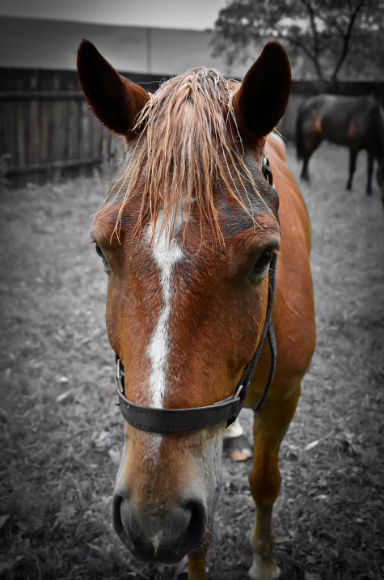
[371, 160]
[269, 429]
[306, 140]
[304, 171]
[312, 142]
[197, 566]
[352, 167]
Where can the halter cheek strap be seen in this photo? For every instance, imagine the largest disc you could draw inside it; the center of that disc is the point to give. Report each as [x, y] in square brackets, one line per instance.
[173, 421]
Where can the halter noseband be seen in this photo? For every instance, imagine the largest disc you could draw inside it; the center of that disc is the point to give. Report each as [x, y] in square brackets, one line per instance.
[171, 421]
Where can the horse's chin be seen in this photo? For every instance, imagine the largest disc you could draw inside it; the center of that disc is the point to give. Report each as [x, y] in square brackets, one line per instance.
[163, 556]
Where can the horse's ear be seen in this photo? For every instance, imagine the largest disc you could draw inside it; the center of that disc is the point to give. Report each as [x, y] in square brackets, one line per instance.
[263, 95]
[115, 100]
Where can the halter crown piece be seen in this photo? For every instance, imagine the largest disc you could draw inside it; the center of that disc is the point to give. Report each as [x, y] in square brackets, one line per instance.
[172, 421]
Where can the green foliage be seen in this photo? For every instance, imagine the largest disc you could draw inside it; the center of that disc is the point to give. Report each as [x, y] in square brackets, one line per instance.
[324, 34]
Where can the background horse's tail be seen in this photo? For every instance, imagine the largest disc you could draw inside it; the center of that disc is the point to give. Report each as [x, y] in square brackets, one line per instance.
[300, 149]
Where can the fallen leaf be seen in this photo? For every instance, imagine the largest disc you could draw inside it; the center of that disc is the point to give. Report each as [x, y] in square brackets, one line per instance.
[64, 397]
[239, 455]
[311, 445]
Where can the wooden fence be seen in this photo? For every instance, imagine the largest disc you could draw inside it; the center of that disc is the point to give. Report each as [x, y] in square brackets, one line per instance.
[48, 133]
[46, 129]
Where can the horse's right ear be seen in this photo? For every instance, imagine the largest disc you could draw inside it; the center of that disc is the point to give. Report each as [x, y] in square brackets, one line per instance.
[115, 100]
[261, 100]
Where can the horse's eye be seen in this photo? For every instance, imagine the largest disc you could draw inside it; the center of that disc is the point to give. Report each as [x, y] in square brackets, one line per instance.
[100, 253]
[260, 268]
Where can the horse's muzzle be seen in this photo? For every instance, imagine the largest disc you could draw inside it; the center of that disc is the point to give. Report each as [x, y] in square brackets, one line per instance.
[160, 535]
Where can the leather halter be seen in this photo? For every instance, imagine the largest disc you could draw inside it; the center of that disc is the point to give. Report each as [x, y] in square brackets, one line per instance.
[173, 421]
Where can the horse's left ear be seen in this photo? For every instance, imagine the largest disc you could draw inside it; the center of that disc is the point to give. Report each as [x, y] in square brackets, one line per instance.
[262, 98]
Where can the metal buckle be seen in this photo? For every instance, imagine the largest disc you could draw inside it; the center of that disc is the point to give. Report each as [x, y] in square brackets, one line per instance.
[266, 169]
[240, 396]
[239, 392]
[119, 380]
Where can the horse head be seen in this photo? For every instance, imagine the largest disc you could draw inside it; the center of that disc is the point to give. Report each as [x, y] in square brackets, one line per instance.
[186, 235]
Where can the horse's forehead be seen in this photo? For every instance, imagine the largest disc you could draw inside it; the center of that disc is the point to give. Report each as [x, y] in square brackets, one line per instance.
[165, 247]
[187, 238]
[192, 256]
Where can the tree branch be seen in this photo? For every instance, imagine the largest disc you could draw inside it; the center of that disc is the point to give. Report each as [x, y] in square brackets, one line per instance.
[346, 40]
[314, 56]
[320, 30]
[310, 55]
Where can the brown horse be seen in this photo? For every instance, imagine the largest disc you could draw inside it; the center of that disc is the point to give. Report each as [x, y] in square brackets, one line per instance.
[187, 236]
[355, 122]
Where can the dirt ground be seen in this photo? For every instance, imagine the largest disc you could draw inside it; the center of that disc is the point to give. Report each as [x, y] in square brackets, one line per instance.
[61, 433]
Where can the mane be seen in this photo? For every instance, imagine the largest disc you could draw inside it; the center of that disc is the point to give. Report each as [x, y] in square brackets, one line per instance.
[188, 148]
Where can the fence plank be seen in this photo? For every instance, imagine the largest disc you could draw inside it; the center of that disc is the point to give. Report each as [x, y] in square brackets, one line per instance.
[44, 132]
[35, 137]
[20, 133]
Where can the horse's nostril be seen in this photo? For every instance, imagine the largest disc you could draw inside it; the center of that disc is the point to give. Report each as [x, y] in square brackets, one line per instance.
[120, 515]
[198, 521]
[125, 515]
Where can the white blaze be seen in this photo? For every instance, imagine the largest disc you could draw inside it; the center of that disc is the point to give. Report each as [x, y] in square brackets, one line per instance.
[166, 253]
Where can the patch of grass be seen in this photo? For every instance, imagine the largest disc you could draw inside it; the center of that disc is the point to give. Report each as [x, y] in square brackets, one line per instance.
[62, 435]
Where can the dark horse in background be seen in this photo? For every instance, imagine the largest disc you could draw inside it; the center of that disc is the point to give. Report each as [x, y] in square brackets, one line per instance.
[355, 122]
